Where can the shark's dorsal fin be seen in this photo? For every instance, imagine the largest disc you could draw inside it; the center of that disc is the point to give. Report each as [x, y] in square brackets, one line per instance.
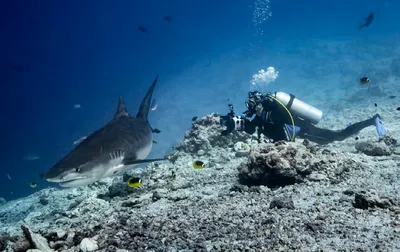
[121, 110]
[145, 105]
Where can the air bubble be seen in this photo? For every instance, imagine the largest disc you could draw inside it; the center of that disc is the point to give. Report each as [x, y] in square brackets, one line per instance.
[261, 13]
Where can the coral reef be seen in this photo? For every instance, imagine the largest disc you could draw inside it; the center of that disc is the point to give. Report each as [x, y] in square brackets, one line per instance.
[205, 135]
[250, 196]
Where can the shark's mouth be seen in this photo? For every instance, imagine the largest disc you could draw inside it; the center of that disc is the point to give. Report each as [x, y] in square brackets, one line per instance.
[76, 182]
[72, 182]
[91, 174]
[63, 180]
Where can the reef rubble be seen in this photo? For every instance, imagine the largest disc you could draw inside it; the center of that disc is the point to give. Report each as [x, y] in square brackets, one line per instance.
[250, 196]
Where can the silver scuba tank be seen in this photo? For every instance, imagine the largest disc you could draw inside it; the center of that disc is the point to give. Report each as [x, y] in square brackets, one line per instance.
[299, 108]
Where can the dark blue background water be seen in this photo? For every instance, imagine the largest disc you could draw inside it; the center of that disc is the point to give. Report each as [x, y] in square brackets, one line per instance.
[91, 52]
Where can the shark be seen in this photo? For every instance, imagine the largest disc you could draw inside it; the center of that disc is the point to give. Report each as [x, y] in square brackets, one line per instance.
[121, 144]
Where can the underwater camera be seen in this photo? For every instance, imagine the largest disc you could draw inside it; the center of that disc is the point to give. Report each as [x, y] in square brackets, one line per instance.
[227, 120]
[223, 121]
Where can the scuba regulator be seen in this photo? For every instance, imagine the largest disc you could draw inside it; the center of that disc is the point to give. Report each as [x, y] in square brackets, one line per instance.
[254, 100]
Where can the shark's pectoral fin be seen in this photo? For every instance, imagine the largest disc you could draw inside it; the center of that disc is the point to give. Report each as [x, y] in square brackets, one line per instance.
[132, 161]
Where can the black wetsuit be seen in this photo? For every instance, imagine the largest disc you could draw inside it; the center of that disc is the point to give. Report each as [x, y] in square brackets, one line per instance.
[272, 125]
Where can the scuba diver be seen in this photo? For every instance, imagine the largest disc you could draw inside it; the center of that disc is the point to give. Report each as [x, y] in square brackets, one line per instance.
[280, 116]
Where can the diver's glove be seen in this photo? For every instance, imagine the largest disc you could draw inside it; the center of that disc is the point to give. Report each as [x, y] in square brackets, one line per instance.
[232, 123]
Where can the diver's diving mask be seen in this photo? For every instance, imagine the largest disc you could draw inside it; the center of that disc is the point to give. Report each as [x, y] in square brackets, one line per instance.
[254, 98]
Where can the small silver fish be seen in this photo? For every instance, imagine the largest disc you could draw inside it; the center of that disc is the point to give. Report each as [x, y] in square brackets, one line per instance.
[76, 106]
[8, 176]
[154, 104]
[79, 140]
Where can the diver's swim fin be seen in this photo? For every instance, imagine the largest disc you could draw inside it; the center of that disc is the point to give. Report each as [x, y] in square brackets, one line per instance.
[131, 161]
[380, 130]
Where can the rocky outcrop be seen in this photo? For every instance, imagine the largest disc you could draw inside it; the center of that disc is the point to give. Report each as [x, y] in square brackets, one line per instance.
[287, 163]
[370, 199]
[384, 147]
[30, 241]
[36, 240]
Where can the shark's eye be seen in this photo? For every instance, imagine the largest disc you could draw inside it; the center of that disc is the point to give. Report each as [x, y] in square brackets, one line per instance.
[77, 169]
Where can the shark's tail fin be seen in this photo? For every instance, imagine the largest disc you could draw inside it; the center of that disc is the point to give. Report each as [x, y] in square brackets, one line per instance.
[145, 105]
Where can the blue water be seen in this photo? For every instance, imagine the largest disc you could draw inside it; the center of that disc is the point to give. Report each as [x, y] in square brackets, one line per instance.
[91, 52]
